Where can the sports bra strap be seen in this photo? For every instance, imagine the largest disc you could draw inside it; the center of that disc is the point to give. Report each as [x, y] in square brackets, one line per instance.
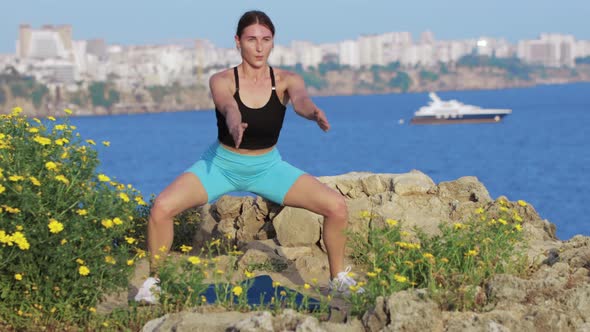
[237, 80]
[272, 78]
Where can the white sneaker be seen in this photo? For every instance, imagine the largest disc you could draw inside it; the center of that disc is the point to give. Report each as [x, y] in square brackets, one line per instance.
[149, 291]
[345, 284]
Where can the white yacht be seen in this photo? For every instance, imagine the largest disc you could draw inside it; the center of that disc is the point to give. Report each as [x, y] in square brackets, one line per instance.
[452, 111]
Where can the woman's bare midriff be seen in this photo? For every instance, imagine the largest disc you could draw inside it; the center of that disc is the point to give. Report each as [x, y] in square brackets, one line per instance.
[248, 152]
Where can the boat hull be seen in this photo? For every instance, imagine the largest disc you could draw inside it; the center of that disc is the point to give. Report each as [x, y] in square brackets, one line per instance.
[481, 118]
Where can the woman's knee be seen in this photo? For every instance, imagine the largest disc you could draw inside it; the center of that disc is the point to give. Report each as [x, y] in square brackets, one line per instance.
[336, 208]
[162, 210]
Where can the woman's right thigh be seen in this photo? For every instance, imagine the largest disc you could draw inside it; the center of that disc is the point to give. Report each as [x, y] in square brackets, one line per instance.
[184, 192]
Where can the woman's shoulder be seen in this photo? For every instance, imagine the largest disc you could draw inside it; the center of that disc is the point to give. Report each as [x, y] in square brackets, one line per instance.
[284, 75]
[225, 75]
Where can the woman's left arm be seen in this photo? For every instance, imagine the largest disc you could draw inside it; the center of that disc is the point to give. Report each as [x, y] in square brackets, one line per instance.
[302, 104]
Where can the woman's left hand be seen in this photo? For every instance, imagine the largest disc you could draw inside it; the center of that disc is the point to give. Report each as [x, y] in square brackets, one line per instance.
[321, 119]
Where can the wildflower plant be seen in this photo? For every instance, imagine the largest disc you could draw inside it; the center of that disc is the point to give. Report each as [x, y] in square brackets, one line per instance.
[66, 232]
[453, 266]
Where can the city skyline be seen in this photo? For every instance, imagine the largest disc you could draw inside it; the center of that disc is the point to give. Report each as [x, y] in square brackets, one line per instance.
[137, 23]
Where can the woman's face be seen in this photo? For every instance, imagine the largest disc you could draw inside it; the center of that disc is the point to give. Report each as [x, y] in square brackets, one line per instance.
[255, 44]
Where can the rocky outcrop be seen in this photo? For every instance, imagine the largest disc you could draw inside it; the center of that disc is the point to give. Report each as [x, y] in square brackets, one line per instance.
[554, 296]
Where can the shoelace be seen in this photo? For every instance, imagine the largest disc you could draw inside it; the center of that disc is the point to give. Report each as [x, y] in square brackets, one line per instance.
[343, 279]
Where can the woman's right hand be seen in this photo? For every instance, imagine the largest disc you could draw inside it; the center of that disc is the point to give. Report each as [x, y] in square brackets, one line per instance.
[237, 132]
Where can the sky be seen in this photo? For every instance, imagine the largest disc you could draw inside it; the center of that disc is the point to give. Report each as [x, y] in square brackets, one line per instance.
[134, 22]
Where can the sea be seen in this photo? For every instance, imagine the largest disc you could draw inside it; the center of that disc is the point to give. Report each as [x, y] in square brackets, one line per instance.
[540, 153]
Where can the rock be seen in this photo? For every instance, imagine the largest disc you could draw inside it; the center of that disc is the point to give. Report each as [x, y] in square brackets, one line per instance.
[412, 183]
[260, 322]
[195, 322]
[294, 252]
[410, 312]
[297, 227]
[465, 189]
[375, 319]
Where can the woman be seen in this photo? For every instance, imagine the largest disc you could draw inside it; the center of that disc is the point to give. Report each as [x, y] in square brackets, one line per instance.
[250, 104]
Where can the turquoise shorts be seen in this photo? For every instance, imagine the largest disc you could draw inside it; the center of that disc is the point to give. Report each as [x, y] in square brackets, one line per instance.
[222, 171]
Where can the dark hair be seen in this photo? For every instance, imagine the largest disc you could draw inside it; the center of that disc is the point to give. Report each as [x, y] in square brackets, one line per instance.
[254, 17]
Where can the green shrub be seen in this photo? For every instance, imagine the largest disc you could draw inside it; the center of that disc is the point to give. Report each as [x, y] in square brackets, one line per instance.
[454, 265]
[66, 232]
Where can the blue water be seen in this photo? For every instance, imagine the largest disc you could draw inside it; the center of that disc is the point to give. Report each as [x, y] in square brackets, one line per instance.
[540, 153]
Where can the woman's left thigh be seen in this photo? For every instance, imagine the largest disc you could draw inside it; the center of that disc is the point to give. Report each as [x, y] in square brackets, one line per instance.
[309, 193]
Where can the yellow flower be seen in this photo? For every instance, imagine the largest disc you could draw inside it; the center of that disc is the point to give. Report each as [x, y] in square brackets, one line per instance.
[479, 210]
[117, 221]
[92, 309]
[35, 181]
[16, 111]
[194, 260]
[91, 142]
[248, 274]
[522, 203]
[11, 209]
[81, 212]
[139, 200]
[503, 208]
[391, 222]
[107, 223]
[518, 227]
[471, 253]
[517, 217]
[110, 260]
[20, 240]
[16, 178]
[83, 270]
[63, 241]
[130, 240]
[124, 197]
[2, 189]
[62, 178]
[276, 284]
[371, 274]
[51, 118]
[68, 111]
[103, 178]
[60, 127]
[130, 262]
[203, 299]
[306, 286]
[283, 293]
[55, 226]
[140, 253]
[80, 261]
[237, 290]
[42, 140]
[502, 221]
[399, 278]
[185, 248]
[428, 255]
[18, 276]
[219, 272]
[33, 130]
[50, 165]
[458, 225]
[444, 260]
[106, 143]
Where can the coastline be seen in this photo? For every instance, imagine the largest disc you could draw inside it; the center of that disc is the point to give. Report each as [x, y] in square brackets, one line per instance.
[335, 83]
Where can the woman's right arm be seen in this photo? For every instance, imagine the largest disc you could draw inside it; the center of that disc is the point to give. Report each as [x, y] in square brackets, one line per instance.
[225, 103]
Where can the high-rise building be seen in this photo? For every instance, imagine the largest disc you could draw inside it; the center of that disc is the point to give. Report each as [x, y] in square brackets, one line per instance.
[47, 42]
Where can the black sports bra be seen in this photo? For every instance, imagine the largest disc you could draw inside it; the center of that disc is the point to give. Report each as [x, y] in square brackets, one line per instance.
[264, 124]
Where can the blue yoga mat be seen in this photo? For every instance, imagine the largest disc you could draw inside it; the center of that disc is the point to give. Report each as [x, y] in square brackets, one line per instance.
[261, 292]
